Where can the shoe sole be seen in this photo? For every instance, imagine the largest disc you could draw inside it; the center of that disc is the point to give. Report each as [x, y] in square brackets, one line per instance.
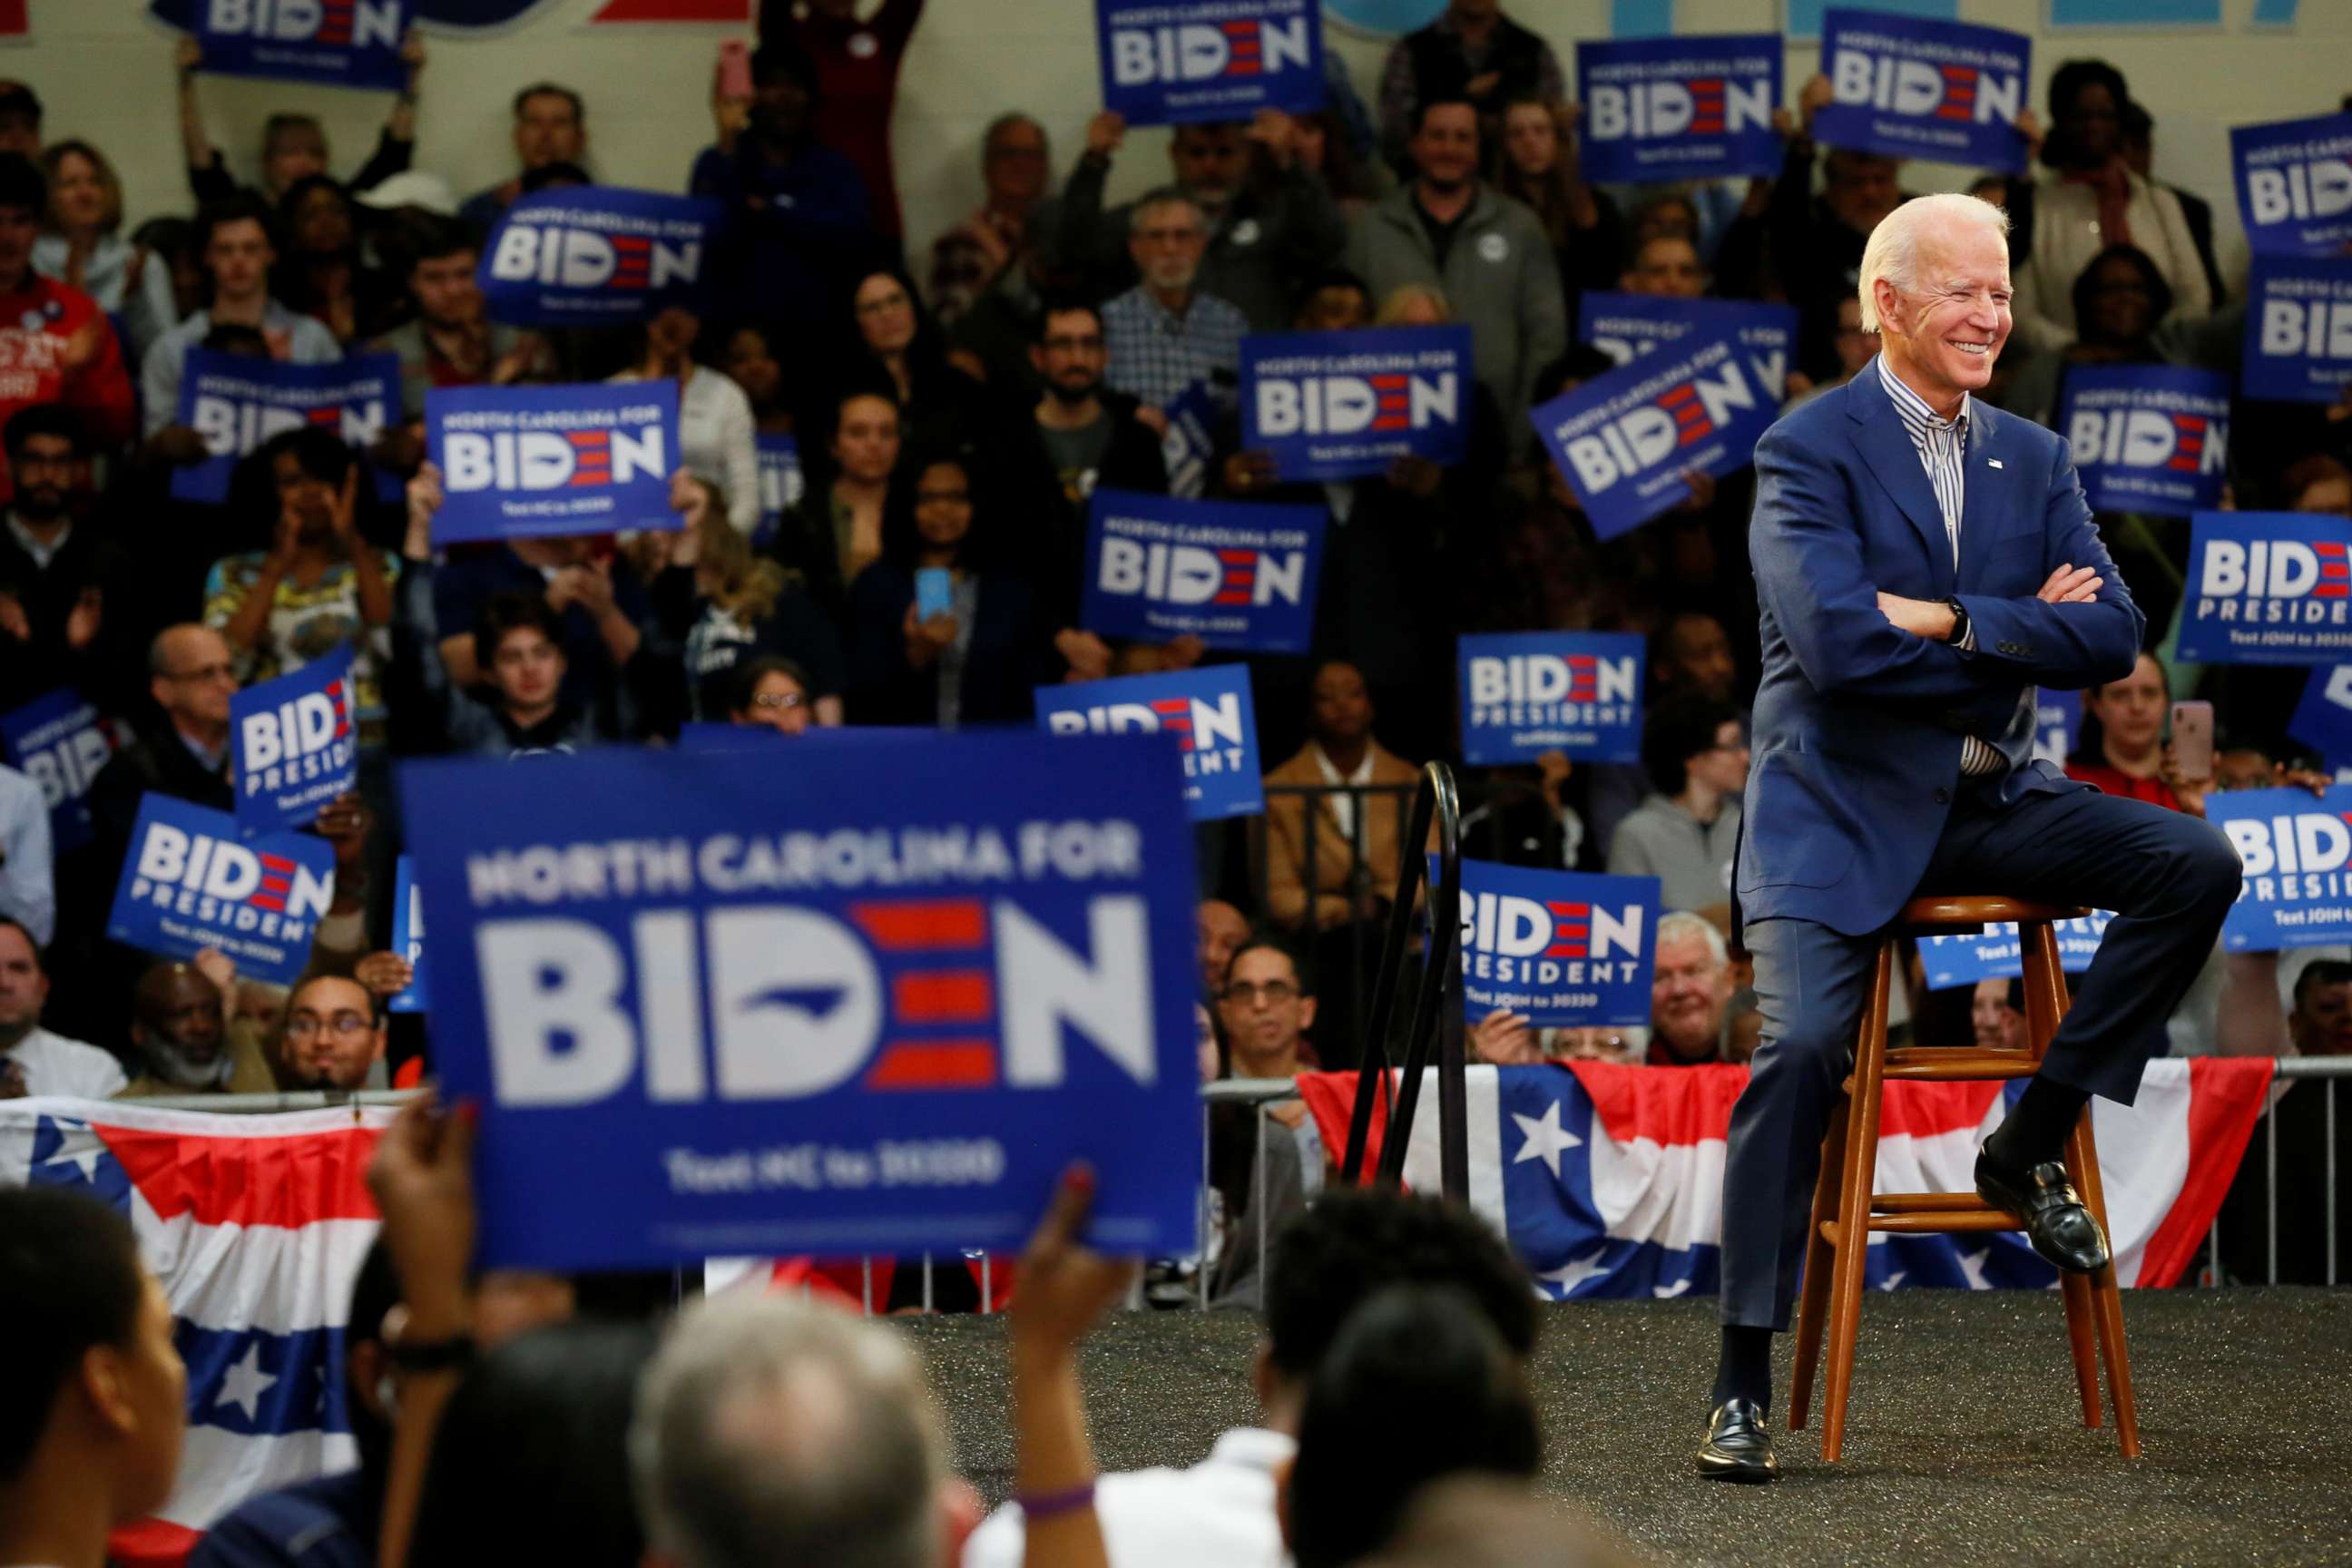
[1740, 1472]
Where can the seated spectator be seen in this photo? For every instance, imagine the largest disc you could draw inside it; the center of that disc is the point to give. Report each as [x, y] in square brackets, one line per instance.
[451, 340]
[2119, 300]
[1997, 1014]
[744, 606]
[193, 674]
[180, 1030]
[2320, 1024]
[321, 274]
[333, 1036]
[974, 256]
[59, 569]
[32, 1059]
[836, 532]
[96, 1410]
[1471, 52]
[714, 418]
[1223, 930]
[2122, 749]
[293, 146]
[1166, 334]
[978, 662]
[27, 867]
[239, 242]
[1539, 167]
[1266, 1006]
[1688, 831]
[1690, 992]
[940, 407]
[1504, 1038]
[83, 247]
[53, 337]
[318, 586]
[550, 126]
[765, 691]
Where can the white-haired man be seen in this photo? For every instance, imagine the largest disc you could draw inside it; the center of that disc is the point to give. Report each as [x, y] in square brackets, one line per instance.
[1922, 564]
[1690, 992]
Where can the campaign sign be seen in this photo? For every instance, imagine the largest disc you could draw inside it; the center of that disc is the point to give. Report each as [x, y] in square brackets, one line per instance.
[1912, 88]
[1168, 61]
[1190, 443]
[1235, 575]
[2298, 328]
[1678, 108]
[586, 256]
[2322, 717]
[408, 938]
[193, 881]
[236, 403]
[711, 1006]
[1564, 948]
[1998, 952]
[523, 462]
[2147, 437]
[2294, 845]
[781, 483]
[1623, 440]
[1627, 326]
[2057, 721]
[1340, 406]
[2294, 184]
[1207, 709]
[1525, 693]
[60, 743]
[292, 744]
[342, 43]
[2268, 587]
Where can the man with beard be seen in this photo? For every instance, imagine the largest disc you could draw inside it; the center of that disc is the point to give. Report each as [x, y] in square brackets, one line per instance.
[334, 1034]
[452, 342]
[1164, 334]
[56, 570]
[180, 1025]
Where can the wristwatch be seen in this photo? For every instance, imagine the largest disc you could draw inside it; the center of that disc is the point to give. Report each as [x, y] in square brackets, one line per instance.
[1959, 632]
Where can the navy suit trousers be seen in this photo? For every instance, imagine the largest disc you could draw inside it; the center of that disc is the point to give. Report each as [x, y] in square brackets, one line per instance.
[2169, 877]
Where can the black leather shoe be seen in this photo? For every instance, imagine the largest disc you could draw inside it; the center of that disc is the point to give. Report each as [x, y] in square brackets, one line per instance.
[1738, 1447]
[2059, 1227]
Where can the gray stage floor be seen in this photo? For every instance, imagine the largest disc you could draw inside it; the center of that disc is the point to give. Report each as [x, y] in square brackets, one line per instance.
[1963, 1445]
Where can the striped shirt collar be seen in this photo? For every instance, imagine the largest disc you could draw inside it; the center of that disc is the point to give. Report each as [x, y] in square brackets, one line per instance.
[1917, 417]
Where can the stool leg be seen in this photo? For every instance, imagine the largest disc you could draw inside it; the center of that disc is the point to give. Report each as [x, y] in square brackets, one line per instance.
[1853, 1208]
[2083, 1170]
[2080, 1339]
[1812, 1311]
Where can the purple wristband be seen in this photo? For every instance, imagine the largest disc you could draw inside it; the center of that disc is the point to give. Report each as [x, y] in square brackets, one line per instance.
[1052, 1505]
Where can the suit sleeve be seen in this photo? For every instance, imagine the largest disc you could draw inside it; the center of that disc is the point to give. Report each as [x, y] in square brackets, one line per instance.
[2061, 646]
[1809, 574]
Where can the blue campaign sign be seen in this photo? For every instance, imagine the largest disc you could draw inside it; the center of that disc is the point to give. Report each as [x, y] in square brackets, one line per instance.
[1525, 693]
[781, 483]
[236, 403]
[586, 256]
[1912, 88]
[408, 939]
[1564, 948]
[60, 743]
[523, 462]
[193, 881]
[2298, 328]
[1680, 108]
[2267, 587]
[1997, 953]
[2294, 845]
[1207, 709]
[2322, 717]
[342, 43]
[2294, 184]
[1340, 406]
[2147, 437]
[1235, 575]
[1190, 443]
[1627, 326]
[1624, 440]
[2057, 721]
[1165, 62]
[707, 1005]
[292, 744]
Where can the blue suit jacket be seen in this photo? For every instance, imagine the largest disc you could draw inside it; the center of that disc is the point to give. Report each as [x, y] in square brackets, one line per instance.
[1859, 725]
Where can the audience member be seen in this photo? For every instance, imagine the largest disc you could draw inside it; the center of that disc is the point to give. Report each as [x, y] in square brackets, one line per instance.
[1667, 267]
[2137, 130]
[767, 692]
[321, 274]
[836, 532]
[856, 59]
[450, 339]
[1688, 831]
[180, 1035]
[2301, 1120]
[1473, 53]
[940, 407]
[744, 606]
[237, 241]
[1690, 992]
[1997, 1014]
[32, 1059]
[1539, 166]
[293, 146]
[550, 126]
[977, 255]
[1223, 930]
[2122, 748]
[59, 569]
[1165, 334]
[29, 892]
[714, 418]
[84, 248]
[2119, 300]
[334, 1035]
[53, 337]
[191, 675]
[752, 358]
[20, 120]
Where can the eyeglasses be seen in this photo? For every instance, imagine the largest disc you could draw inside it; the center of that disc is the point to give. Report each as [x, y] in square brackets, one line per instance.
[302, 1026]
[1185, 236]
[221, 671]
[1274, 992]
[894, 301]
[777, 699]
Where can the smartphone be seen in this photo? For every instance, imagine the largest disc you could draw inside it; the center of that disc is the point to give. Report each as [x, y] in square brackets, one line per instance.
[734, 68]
[2192, 739]
[934, 592]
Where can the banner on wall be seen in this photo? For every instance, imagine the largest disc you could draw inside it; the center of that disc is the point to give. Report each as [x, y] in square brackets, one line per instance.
[1907, 87]
[2296, 848]
[60, 743]
[2294, 184]
[2298, 328]
[238, 403]
[886, 1028]
[340, 43]
[1525, 693]
[193, 881]
[586, 256]
[1624, 440]
[2267, 587]
[1207, 709]
[1679, 109]
[1166, 62]
[292, 746]
[1235, 575]
[1562, 948]
[523, 462]
[1997, 953]
[1342, 405]
[1627, 326]
[2147, 437]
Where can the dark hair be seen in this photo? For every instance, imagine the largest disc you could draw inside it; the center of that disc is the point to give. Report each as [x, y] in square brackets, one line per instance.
[1443, 100]
[549, 90]
[1328, 278]
[530, 1462]
[22, 184]
[1356, 1241]
[2320, 971]
[1268, 941]
[244, 207]
[376, 1009]
[504, 613]
[2160, 292]
[781, 59]
[2067, 84]
[40, 959]
[559, 172]
[168, 237]
[236, 338]
[1417, 1386]
[44, 419]
[321, 454]
[1063, 305]
[291, 197]
[736, 686]
[438, 239]
[1581, 361]
[1680, 727]
[69, 1279]
[902, 539]
[2138, 124]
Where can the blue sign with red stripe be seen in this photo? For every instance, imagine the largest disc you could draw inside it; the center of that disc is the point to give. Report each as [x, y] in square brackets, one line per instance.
[1678, 108]
[1235, 575]
[2267, 587]
[522, 462]
[586, 256]
[341, 43]
[1562, 948]
[292, 744]
[1165, 62]
[1207, 709]
[711, 1007]
[193, 881]
[1907, 87]
[59, 742]
[1342, 405]
[238, 403]
[2147, 437]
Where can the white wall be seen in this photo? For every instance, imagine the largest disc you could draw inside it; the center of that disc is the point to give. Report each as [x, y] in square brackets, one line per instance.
[106, 73]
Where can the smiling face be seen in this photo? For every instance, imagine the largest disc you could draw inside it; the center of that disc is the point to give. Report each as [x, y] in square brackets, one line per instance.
[1944, 332]
[2130, 712]
[77, 195]
[1445, 148]
[1688, 992]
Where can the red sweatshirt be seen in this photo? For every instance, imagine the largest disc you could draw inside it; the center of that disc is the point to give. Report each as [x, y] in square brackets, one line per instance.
[39, 362]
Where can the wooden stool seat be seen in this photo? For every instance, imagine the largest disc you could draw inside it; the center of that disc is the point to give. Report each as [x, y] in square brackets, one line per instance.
[1837, 1251]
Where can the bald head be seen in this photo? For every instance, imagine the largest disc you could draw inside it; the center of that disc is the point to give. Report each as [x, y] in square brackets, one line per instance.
[192, 675]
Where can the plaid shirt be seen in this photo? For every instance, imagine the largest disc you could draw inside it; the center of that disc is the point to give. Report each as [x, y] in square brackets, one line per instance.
[1155, 355]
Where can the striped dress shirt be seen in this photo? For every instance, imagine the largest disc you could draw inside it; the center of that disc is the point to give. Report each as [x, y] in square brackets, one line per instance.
[1943, 444]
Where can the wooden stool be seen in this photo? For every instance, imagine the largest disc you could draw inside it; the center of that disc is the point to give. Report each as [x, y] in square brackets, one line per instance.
[1835, 1251]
